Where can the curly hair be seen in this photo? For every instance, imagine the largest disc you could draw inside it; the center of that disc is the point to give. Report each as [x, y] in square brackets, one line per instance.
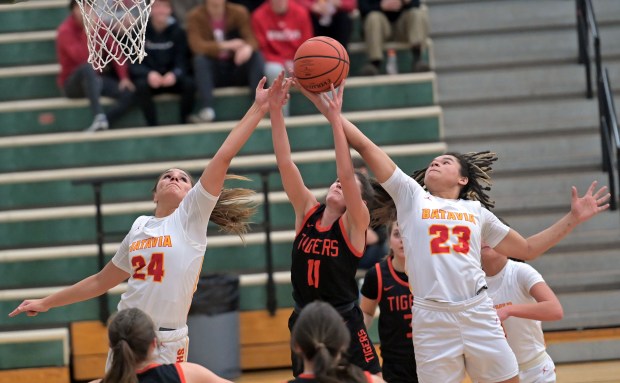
[476, 166]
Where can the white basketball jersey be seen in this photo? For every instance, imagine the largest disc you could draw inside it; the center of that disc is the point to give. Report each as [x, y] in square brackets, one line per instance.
[442, 240]
[164, 258]
[512, 286]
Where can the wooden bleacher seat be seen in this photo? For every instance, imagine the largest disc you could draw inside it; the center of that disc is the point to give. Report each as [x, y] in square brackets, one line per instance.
[42, 374]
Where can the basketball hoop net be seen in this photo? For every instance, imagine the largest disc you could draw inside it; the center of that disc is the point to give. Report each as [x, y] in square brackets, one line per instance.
[115, 30]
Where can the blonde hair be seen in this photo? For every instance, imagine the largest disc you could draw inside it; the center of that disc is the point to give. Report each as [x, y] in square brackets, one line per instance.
[234, 207]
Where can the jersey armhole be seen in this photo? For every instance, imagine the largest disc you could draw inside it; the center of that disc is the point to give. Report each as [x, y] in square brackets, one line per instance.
[180, 372]
[306, 217]
[343, 230]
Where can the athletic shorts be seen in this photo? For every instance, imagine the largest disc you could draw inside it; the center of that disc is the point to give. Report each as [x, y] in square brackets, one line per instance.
[171, 347]
[543, 372]
[451, 338]
[361, 350]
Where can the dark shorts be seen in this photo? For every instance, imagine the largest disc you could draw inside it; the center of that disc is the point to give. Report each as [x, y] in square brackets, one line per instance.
[361, 350]
[400, 371]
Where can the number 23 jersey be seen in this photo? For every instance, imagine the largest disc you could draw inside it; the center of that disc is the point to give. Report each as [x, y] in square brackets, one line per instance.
[164, 257]
[442, 239]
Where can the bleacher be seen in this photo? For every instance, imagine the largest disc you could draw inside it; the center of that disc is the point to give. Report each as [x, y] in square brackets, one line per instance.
[48, 222]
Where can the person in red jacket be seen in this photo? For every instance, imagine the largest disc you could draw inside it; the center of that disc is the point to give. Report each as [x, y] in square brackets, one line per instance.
[280, 26]
[78, 79]
[331, 18]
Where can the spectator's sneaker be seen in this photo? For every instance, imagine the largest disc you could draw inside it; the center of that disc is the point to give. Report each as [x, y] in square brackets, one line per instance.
[369, 70]
[420, 66]
[204, 115]
[99, 123]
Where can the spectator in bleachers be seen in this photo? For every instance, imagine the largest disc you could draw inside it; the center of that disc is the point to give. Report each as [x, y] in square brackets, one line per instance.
[78, 79]
[225, 51]
[133, 340]
[280, 26]
[165, 69]
[331, 18]
[393, 20]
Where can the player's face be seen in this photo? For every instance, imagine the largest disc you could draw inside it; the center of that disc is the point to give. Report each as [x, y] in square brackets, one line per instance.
[396, 242]
[444, 171]
[174, 183]
[335, 195]
[161, 11]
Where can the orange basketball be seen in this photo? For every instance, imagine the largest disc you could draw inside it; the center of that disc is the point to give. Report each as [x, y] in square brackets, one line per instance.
[320, 62]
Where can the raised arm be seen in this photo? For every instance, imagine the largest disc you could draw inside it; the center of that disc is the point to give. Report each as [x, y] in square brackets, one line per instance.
[356, 218]
[546, 308]
[377, 160]
[212, 178]
[582, 209]
[301, 198]
[87, 288]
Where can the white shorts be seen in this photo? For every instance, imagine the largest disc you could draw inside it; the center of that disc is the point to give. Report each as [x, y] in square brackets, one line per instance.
[171, 347]
[451, 338]
[543, 372]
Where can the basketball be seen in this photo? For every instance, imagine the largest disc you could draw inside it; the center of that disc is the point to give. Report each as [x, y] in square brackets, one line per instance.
[320, 62]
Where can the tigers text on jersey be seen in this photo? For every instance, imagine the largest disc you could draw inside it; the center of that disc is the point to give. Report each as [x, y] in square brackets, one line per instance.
[442, 240]
[323, 262]
[390, 289]
[164, 257]
[512, 286]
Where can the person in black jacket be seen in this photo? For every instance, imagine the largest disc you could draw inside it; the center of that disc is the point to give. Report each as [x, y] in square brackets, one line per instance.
[165, 68]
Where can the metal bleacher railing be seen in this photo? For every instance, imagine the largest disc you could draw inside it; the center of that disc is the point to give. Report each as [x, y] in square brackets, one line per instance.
[588, 34]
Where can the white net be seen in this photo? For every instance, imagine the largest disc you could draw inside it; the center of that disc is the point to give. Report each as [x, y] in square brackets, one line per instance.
[115, 30]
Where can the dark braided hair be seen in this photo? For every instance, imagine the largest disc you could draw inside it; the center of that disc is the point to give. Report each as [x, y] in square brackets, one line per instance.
[476, 166]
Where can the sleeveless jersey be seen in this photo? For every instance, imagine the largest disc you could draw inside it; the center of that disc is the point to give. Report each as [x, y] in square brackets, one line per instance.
[309, 378]
[163, 257]
[161, 373]
[442, 240]
[512, 286]
[391, 289]
[323, 262]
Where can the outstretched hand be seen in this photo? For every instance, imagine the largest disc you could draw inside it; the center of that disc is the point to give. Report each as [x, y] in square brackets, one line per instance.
[592, 203]
[315, 98]
[262, 95]
[279, 92]
[30, 307]
[333, 102]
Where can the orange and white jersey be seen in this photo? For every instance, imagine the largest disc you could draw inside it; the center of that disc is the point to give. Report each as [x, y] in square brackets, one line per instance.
[442, 240]
[512, 286]
[164, 258]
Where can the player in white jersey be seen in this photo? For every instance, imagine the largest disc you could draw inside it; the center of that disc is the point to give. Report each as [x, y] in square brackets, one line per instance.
[522, 300]
[443, 223]
[162, 254]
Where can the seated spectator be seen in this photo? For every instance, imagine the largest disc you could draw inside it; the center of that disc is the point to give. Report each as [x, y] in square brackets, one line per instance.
[225, 51]
[78, 79]
[132, 340]
[393, 20]
[165, 68]
[280, 26]
[331, 18]
[376, 236]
